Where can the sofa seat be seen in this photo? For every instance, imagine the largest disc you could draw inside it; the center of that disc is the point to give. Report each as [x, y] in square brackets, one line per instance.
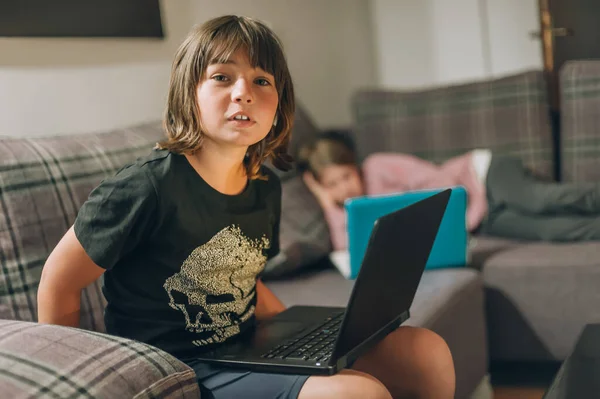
[449, 302]
[539, 296]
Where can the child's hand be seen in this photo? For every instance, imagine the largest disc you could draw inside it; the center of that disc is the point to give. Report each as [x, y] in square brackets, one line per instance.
[317, 190]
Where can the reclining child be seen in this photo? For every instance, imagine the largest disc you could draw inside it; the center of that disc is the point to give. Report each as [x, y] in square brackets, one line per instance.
[504, 199]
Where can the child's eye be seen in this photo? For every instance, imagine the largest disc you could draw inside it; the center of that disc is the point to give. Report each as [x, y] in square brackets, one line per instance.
[220, 78]
[263, 82]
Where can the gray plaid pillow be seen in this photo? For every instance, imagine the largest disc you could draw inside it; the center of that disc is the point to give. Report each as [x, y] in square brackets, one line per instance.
[304, 235]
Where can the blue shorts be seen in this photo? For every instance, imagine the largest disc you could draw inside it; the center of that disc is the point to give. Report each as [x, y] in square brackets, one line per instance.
[223, 383]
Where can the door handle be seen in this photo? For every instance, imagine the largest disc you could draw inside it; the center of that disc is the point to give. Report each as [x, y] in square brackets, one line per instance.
[556, 32]
[562, 32]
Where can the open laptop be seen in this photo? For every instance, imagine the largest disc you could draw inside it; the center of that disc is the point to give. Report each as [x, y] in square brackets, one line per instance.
[324, 340]
[449, 248]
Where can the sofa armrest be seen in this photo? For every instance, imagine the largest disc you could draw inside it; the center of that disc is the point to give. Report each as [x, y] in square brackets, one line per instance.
[41, 360]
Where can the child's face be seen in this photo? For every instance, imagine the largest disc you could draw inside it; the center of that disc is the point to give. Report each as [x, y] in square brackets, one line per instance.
[341, 182]
[236, 89]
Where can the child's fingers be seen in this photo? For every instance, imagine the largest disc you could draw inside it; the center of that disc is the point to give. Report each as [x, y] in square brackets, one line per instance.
[309, 179]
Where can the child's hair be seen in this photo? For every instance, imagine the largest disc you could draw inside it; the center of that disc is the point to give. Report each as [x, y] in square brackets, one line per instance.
[215, 41]
[332, 147]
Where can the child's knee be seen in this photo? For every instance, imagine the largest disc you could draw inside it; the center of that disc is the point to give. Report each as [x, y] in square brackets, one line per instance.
[432, 342]
[348, 384]
[428, 348]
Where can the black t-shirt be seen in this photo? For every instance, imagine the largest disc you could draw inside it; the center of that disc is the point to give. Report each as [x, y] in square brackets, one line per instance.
[182, 259]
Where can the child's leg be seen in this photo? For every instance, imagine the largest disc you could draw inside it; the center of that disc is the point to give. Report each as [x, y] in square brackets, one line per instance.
[513, 224]
[510, 185]
[348, 384]
[408, 363]
[412, 363]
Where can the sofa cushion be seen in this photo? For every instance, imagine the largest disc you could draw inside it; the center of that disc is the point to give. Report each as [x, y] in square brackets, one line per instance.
[41, 360]
[539, 298]
[448, 301]
[580, 121]
[304, 235]
[508, 115]
[482, 247]
[304, 130]
[43, 182]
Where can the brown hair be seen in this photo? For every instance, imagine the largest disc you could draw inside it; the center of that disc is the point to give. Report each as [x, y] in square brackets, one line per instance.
[329, 148]
[214, 42]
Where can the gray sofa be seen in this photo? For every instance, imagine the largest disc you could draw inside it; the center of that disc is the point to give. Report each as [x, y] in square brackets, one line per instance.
[538, 295]
[44, 181]
[528, 300]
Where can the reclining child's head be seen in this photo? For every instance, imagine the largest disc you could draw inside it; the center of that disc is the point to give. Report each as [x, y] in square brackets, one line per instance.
[330, 168]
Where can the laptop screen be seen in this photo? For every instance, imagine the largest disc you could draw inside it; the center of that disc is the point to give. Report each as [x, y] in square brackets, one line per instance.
[391, 270]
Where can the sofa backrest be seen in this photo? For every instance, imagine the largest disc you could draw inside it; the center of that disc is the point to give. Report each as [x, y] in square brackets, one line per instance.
[508, 115]
[580, 121]
[43, 182]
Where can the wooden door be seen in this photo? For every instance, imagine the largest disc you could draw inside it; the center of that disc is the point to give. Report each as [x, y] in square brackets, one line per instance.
[570, 30]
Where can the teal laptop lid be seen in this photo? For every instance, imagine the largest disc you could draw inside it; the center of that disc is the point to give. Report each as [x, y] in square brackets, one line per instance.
[450, 246]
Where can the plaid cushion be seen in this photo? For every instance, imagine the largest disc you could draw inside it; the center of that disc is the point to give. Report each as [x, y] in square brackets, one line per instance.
[43, 182]
[46, 361]
[304, 130]
[508, 115]
[304, 236]
[580, 121]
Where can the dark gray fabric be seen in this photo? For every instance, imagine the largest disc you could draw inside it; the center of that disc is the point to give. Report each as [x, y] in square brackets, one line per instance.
[524, 207]
[561, 228]
[539, 296]
[226, 382]
[449, 302]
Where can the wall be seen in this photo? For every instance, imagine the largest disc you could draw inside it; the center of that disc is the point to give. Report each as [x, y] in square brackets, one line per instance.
[72, 85]
[511, 23]
[328, 45]
[403, 42]
[458, 47]
[59, 86]
[424, 43]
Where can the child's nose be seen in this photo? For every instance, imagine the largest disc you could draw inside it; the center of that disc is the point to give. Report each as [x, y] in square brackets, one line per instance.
[242, 92]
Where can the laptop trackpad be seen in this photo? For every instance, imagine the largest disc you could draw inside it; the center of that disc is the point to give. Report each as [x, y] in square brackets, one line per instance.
[272, 331]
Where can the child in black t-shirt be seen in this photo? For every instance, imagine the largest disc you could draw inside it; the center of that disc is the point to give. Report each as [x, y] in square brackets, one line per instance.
[183, 234]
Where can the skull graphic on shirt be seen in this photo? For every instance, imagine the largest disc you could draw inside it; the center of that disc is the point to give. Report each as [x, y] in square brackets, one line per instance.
[215, 285]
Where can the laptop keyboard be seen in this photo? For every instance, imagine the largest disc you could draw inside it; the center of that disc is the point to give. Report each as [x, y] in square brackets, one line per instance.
[315, 345]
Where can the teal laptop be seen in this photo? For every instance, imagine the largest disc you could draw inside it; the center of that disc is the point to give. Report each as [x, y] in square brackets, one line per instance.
[449, 248]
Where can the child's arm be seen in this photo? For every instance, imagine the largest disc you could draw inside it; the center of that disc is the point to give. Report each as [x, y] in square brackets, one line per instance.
[66, 273]
[267, 304]
[335, 215]
[319, 192]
